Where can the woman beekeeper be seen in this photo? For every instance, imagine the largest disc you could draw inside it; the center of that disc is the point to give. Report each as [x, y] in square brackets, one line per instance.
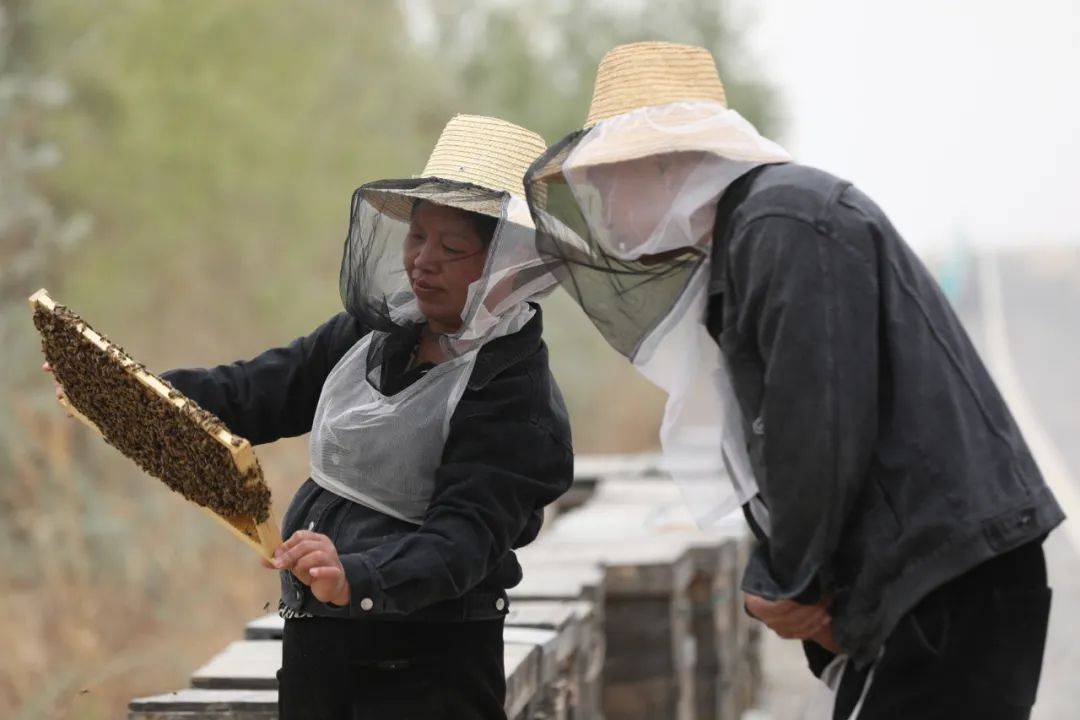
[810, 357]
[437, 437]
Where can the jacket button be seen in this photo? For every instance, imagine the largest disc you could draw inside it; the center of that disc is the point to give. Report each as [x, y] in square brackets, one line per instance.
[366, 604]
[500, 604]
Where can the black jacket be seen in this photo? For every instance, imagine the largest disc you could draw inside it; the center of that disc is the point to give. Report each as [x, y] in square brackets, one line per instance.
[885, 456]
[507, 455]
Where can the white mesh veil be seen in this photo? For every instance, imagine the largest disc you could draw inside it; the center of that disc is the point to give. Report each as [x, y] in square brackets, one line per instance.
[635, 209]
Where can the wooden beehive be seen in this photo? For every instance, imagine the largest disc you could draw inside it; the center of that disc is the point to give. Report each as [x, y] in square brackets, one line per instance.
[166, 434]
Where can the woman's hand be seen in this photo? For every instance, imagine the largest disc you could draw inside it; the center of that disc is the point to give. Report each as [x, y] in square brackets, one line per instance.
[313, 559]
[59, 390]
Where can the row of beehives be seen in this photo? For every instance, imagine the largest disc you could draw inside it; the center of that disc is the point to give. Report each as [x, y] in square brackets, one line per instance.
[626, 611]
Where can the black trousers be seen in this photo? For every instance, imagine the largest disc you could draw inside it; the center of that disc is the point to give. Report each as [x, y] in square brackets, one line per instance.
[973, 648]
[334, 669]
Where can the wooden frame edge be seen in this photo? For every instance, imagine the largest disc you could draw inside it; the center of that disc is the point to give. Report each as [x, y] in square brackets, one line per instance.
[269, 537]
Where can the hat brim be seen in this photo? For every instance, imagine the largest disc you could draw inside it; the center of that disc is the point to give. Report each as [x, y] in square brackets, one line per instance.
[738, 142]
[398, 203]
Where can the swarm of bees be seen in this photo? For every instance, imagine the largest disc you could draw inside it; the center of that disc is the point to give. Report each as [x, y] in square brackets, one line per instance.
[166, 434]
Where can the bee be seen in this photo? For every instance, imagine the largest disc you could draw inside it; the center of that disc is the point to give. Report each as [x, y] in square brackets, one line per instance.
[175, 444]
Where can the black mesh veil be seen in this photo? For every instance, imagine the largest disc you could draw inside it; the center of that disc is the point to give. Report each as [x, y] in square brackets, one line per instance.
[630, 207]
[625, 299]
[375, 286]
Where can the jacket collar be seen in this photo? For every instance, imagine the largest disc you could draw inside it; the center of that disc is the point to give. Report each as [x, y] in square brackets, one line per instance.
[507, 350]
[725, 209]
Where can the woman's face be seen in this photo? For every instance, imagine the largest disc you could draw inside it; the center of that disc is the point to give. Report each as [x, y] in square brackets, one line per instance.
[444, 254]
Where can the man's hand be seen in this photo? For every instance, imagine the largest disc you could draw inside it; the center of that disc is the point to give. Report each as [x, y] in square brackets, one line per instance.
[791, 620]
[313, 559]
[824, 638]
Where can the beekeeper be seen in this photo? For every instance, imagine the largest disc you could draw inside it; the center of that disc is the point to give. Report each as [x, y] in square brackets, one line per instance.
[811, 360]
[438, 435]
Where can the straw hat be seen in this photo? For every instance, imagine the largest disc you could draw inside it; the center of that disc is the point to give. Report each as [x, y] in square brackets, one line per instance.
[647, 74]
[482, 152]
[643, 74]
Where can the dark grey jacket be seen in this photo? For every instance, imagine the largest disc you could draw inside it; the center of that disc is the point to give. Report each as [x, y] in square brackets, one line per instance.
[507, 455]
[885, 456]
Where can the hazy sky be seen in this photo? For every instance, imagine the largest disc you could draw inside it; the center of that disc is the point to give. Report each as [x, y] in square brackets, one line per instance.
[957, 116]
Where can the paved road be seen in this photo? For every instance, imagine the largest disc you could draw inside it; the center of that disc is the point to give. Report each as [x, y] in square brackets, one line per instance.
[1022, 309]
[1040, 296]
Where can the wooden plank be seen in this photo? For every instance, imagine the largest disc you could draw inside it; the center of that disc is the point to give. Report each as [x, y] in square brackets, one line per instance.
[645, 700]
[262, 537]
[543, 614]
[558, 618]
[242, 665]
[640, 466]
[564, 618]
[548, 615]
[662, 580]
[635, 566]
[584, 611]
[554, 648]
[253, 665]
[522, 668]
[267, 627]
[547, 581]
[603, 467]
[580, 654]
[561, 618]
[641, 507]
[578, 618]
[649, 645]
[197, 704]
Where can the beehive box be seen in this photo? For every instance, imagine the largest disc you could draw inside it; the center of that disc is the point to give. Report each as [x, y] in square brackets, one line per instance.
[166, 434]
[638, 527]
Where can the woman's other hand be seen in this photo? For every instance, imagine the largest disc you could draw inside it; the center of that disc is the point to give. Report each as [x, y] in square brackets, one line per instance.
[313, 559]
[59, 390]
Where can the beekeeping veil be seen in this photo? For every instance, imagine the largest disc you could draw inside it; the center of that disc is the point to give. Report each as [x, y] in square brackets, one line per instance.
[631, 201]
[371, 442]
